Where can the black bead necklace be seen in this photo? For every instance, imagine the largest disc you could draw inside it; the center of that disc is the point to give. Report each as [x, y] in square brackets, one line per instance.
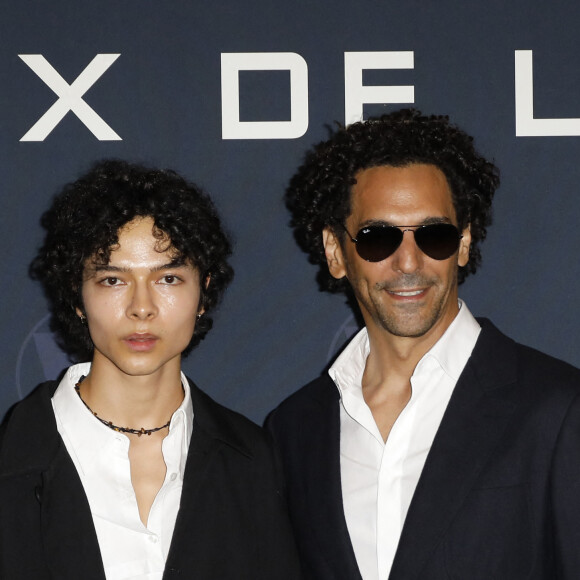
[110, 425]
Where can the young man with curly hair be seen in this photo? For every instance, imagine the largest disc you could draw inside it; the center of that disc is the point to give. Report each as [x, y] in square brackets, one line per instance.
[435, 447]
[125, 469]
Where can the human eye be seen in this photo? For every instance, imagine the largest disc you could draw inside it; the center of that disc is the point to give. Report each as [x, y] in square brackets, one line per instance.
[111, 281]
[170, 279]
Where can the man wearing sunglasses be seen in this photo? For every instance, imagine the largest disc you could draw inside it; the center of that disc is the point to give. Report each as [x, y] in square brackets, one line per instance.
[435, 447]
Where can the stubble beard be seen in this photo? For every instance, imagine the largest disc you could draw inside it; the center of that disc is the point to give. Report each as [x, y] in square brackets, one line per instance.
[405, 320]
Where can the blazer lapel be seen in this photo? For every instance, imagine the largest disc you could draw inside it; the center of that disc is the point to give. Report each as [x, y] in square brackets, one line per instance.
[198, 461]
[69, 538]
[323, 486]
[209, 432]
[477, 415]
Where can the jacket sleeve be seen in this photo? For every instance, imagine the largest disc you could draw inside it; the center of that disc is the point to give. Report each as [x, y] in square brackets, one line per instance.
[565, 495]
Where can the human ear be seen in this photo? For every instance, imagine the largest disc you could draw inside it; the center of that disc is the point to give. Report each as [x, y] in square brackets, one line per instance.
[82, 316]
[464, 245]
[333, 253]
[201, 308]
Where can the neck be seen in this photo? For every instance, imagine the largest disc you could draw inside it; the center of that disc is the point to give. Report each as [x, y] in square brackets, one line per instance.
[132, 401]
[394, 357]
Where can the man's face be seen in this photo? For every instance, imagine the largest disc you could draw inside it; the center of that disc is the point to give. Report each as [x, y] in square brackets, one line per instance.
[407, 294]
[141, 307]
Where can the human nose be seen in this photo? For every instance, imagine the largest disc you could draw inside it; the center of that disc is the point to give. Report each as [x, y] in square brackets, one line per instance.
[408, 257]
[142, 304]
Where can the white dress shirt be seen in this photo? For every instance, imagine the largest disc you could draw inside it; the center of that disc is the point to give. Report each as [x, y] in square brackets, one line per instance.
[129, 549]
[379, 478]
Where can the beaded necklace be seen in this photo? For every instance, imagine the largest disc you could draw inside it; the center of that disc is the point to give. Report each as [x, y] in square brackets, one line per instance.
[110, 425]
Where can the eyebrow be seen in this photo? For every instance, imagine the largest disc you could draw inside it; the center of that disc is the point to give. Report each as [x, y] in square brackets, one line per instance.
[424, 222]
[177, 263]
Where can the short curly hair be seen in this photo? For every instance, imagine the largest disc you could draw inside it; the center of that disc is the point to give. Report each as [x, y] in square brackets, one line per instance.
[319, 193]
[84, 221]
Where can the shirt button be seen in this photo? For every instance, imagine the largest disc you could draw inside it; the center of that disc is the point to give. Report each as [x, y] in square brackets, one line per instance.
[153, 539]
[173, 476]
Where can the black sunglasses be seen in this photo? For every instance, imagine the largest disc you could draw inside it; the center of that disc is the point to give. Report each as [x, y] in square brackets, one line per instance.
[376, 243]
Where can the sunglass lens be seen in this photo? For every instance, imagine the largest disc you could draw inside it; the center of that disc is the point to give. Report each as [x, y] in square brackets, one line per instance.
[376, 243]
[438, 241]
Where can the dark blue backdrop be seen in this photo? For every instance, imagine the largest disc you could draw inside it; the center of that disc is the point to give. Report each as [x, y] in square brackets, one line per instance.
[163, 97]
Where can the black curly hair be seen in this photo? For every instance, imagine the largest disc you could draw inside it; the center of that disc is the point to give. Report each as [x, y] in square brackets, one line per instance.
[84, 220]
[319, 193]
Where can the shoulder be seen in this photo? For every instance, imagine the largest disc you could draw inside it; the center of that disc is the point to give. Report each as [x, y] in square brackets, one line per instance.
[320, 392]
[313, 405]
[28, 432]
[536, 361]
[554, 383]
[499, 358]
[32, 407]
[226, 425]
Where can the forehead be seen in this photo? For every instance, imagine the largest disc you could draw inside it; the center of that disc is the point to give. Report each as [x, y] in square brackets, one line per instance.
[401, 195]
[140, 242]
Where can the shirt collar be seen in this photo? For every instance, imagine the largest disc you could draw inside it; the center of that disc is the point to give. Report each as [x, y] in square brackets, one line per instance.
[91, 436]
[454, 348]
[451, 352]
[347, 370]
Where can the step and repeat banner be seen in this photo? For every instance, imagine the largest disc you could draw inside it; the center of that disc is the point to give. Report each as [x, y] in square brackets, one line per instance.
[231, 94]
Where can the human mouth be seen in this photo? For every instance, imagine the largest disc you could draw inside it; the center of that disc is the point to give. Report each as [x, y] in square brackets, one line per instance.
[414, 295]
[407, 288]
[141, 342]
[406, 293]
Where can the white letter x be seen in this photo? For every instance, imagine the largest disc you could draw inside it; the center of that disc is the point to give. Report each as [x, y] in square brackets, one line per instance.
[70, 97]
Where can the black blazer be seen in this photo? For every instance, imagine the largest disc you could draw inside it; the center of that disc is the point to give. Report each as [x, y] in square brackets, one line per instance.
[232, 521]
[499, 496]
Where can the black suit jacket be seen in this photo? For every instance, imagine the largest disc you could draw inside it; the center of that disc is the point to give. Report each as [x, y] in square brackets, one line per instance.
[499, 496]
[232, 521]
